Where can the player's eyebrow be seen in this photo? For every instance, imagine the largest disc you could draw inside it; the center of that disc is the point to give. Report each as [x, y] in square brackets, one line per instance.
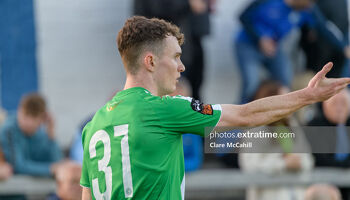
[178, 54]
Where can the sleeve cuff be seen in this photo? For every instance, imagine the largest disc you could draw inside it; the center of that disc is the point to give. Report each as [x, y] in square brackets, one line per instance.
[85, 185]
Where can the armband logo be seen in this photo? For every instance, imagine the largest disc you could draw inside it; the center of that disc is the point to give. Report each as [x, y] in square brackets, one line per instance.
[205, 109]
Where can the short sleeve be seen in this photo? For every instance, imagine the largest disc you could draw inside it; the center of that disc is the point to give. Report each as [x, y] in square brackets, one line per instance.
[179, 114]
[84, 179]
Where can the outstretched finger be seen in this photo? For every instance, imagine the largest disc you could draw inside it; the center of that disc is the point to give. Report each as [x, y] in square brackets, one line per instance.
[321, 74]
[339, 88]
[343, 81]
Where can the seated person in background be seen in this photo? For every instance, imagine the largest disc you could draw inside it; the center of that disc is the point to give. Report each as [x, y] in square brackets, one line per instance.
[3, 115]
[322, 192]
[274, 156]
[68, 175]
[335, 112]
[76, 149]
[27, 145]
[5, 168]
[67, 181]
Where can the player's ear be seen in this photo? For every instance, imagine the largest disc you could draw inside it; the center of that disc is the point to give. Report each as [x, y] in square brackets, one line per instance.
[148, 61]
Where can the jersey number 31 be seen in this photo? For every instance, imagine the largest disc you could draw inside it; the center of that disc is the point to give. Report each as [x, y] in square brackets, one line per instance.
[101, 135]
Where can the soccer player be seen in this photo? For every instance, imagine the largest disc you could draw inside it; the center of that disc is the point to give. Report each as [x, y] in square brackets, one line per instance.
[133, 146]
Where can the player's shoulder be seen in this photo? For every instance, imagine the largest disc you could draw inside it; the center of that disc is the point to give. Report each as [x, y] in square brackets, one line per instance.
[85, 130]
[177, 98]
[171, 101]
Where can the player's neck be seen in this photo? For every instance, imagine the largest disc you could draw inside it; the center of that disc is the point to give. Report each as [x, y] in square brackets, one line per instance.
[144, 82]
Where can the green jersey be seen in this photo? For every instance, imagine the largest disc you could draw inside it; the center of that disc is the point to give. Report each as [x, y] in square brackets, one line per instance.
[133, 145]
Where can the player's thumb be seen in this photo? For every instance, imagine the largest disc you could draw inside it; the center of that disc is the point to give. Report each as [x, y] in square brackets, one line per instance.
[326, 69]
[321, 74]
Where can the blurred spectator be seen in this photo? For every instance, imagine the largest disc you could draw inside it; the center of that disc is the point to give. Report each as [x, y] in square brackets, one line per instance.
[318, 50]
[322, 192]
[265, 25]
[3, 115]
[5, 168]
[76, 150]
[18, 64]
[28, 146]
[68, 175]
[192, 16]
[335, 113]
[270, 161]
[67, 181]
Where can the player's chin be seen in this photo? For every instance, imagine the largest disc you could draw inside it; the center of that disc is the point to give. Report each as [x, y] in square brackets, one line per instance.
[169, 90]
[172, 89]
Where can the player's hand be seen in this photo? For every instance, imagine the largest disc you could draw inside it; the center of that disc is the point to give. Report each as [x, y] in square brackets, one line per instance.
[321, 88]
[267, 46]
[50, 125]
[198, 6]
[5, 171]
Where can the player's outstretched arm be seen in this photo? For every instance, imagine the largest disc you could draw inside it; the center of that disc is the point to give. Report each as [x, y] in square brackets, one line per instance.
[270, 109]
[86, 194]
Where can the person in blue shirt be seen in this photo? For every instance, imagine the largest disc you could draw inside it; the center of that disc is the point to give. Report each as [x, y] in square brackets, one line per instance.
[319, 50]
[27, 139]
[5, 168]
[76, 149]
[265, 24]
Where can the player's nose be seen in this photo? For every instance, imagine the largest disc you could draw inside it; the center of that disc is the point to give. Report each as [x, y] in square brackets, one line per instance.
[181, 67]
